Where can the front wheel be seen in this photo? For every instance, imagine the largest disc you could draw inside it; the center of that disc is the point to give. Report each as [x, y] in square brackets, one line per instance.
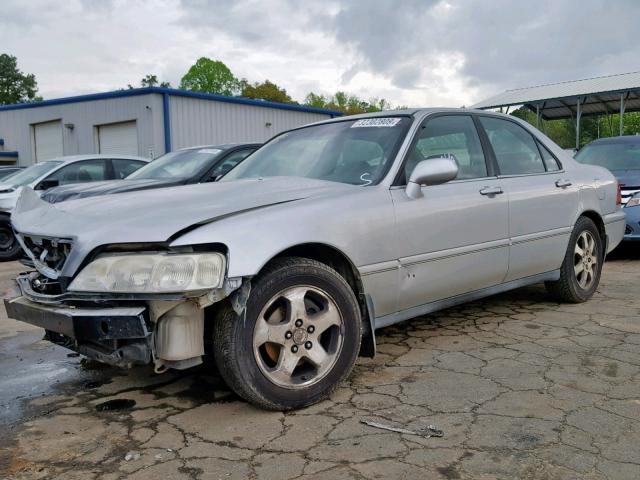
[9, 246]
[297, 339]
[582, 265]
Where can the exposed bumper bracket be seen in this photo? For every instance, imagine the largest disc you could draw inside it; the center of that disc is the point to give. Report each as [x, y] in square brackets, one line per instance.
[81, 323]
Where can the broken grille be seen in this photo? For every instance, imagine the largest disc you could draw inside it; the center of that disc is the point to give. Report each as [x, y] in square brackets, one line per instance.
[47, 254]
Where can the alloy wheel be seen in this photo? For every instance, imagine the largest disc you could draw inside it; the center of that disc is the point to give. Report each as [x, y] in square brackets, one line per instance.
[298, 337]
[585, 260]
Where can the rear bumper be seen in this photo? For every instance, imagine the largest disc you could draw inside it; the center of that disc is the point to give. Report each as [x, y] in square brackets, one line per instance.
[614, 224]
[632, 229]
[117, 336]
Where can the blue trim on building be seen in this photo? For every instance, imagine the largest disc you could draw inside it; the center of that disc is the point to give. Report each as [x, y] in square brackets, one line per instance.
[166, 122]
[170, 91]
[9, 154]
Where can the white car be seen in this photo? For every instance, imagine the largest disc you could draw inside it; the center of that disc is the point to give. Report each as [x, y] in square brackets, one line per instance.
[54, 172]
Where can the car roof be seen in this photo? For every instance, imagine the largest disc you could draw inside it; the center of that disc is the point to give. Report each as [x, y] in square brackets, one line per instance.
[92, 156]
[412, 112]
[616, 140]
[223, 147]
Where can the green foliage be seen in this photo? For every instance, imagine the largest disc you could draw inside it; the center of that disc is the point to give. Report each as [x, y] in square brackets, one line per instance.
[563, 132]
[315, 100]
[210, 76]
[15, 86]
[264, 91]
[213, 76]
[345, 103]
[150, 80]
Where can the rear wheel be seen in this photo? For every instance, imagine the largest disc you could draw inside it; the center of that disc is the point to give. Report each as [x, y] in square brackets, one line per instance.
[582, 265]
[298, 340]
[9, 246]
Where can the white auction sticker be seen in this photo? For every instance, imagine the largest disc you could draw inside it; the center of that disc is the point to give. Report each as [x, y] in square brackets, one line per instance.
[209, 150]
[376, 122]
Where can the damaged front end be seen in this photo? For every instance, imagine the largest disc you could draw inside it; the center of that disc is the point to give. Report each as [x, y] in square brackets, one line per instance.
[121, 328]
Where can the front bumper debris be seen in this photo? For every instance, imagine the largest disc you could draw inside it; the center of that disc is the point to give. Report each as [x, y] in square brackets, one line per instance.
[121, 323]
[118, 335]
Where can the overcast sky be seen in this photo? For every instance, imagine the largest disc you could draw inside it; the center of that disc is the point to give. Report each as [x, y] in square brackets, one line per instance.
[411, 52]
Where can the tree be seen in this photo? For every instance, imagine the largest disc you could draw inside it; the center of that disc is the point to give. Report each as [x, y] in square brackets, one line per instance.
[15, 86]
[210, 76]
[345, 103]
[563, 131]
[264, 91]
[151, 80]
[315, 100]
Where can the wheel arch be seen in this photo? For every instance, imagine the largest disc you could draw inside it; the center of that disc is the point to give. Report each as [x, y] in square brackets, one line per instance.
[597, 219]
[341, 263]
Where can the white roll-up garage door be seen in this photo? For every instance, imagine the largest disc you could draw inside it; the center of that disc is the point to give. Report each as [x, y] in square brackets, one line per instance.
[120, 138]
[48, 140]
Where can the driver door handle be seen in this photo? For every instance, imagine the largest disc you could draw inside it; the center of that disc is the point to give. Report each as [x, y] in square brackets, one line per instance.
[491, 191]
[563, 183]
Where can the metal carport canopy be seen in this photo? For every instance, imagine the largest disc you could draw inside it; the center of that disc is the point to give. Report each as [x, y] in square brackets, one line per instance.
[592, 96]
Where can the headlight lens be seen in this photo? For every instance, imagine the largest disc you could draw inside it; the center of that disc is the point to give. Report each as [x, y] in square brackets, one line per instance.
[151, 273]
[633, 202]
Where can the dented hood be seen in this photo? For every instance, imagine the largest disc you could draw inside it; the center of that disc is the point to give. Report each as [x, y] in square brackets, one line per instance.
[155, 215]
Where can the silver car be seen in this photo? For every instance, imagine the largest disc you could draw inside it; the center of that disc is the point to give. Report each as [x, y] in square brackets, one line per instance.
[284, 269]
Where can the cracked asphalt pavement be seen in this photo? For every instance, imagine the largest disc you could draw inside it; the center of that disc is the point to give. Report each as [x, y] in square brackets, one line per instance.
[522, 388]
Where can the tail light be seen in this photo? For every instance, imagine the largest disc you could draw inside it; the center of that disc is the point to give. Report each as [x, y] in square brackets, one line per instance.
[619, 197]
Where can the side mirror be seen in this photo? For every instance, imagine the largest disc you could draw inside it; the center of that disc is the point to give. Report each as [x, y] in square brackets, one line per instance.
[431, 172]
[47, 184]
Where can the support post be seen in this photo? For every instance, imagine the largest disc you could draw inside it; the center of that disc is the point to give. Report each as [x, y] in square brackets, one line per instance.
[621, 114]
[578, 115]
[166, 122]
[538, 116]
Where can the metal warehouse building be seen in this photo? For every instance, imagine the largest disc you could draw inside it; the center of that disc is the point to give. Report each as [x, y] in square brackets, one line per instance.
[143, 121]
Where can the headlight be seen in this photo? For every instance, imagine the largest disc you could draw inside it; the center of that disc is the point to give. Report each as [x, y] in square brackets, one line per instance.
[151, 273]
[633, 202]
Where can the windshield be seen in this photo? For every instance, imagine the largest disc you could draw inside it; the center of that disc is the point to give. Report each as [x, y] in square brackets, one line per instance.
[30, 174]
[613, 156]
[356, 152]
[180, 164]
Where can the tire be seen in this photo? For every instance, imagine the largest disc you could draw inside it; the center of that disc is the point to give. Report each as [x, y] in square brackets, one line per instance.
[269, 363]
[9, 246]
[576, 285]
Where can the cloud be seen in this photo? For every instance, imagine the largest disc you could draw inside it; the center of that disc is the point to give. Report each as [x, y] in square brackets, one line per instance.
[411, 52]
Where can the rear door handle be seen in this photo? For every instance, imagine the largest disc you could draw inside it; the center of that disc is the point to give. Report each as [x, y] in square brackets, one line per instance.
[563, 183]
[491, 191]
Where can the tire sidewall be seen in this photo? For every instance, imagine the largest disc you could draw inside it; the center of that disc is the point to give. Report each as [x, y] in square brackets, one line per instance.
[13, 252]
[263, 291]
[583, 224]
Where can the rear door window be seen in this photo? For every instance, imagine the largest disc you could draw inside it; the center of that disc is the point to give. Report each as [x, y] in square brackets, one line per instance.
[515, 149]
[123, 167]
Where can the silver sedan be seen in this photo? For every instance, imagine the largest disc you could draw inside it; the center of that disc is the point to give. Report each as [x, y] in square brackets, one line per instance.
[284, 269]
